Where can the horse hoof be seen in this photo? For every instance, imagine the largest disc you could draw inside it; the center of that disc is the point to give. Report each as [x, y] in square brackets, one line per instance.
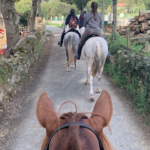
[98, 91]
[92, 99]
[75, 69]
[68, 70]
[86, 83]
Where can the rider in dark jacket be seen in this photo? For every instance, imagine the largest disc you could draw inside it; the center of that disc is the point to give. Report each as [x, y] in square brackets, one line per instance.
[69, 17]
[82, 17]
[72, 13]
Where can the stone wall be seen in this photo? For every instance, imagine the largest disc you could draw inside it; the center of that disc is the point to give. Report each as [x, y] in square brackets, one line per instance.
[25, 53]
[130, 70]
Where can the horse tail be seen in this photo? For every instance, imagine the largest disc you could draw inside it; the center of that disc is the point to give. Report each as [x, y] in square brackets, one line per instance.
[99, 60]
[70, 52]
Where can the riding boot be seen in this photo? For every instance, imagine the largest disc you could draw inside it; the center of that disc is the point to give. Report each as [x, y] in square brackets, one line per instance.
[60, 43]
[78, 52]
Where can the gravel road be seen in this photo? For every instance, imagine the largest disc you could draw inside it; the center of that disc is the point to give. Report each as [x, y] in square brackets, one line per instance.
[128, 131]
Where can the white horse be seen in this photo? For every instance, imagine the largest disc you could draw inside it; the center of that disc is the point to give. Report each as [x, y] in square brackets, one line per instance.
[95, 51]
[71, 41]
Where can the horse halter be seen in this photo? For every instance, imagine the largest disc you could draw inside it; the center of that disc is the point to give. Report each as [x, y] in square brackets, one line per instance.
[74, 123]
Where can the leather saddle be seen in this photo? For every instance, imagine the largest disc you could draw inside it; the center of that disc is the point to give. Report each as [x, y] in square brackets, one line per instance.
[75, 31]
[90, 36]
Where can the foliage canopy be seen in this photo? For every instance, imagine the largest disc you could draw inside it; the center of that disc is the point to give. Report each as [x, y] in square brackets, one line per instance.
[79, 3]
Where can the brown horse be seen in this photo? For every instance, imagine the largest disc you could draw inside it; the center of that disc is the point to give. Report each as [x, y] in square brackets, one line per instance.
[75, 137]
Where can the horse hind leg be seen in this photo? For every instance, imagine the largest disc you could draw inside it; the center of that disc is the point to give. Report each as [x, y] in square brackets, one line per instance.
[99, 80]
[91, 92]
[87, 79]
[68, 68]
[75, 64]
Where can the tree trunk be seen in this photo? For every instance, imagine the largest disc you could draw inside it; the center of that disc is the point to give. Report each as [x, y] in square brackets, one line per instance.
[11, 20]
[103, 9]
[39, 7]
[114, 28]
[32, 15]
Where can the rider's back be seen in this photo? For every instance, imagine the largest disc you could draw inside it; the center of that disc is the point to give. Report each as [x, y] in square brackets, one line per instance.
[91, 24]
[69, 17]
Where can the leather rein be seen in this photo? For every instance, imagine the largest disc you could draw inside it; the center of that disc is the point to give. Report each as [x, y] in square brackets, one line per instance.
[68, 125]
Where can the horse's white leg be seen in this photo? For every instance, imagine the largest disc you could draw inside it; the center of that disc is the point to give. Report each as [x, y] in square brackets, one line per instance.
[75, 67]
[99, 79]
[72, 65]
[91, 92]
[68, 68]
[87, 79]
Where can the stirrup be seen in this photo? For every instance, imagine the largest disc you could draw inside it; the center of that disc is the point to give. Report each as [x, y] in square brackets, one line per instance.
[77, 57]
[59, 43]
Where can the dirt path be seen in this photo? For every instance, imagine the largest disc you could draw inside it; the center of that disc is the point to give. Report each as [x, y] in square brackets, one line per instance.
[128, 131]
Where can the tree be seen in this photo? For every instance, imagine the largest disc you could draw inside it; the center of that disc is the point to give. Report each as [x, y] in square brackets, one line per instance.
[79, 3]
[103, 9]
[147, 4]
[114, 26]
[32, 15]
[39, 7]
[135, 4]
[11, 20]
[23, 6]
[45, 10]
[62, 9]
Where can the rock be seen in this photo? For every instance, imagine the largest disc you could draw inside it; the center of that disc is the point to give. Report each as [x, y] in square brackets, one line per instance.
[133, 54]
[120, 51]
[125, 56]
[112, 59]
[1, 95]
[143, 72]
[146, 47]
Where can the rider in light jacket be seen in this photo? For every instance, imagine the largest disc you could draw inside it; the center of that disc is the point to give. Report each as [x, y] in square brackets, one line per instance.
[93, 25]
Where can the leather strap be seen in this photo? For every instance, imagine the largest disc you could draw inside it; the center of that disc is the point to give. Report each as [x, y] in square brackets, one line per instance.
[74, 123]
[74, 30]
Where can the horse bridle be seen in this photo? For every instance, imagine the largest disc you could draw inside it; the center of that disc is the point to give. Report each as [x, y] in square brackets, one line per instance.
[68, 125]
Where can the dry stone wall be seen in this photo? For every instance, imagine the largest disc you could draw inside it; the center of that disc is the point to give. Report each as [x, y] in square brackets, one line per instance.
[25, 53]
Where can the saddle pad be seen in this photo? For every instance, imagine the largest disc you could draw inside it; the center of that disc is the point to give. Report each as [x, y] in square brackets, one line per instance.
[91, 36]
[75, 31]
[67, 28]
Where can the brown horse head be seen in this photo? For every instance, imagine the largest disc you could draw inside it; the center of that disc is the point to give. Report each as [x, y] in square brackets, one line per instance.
[75, 137]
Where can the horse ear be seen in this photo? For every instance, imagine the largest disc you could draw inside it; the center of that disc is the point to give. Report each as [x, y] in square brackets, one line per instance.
[45, 112]
[103, 110]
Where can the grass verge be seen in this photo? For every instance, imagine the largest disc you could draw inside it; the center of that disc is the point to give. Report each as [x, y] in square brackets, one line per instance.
[131, 72]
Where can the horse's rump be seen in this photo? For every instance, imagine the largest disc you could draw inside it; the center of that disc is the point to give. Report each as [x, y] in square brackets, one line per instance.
[99, 60]
[96, 48]
[71, 41]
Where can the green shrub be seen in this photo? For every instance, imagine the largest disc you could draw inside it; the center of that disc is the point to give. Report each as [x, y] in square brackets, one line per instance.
[131, 72]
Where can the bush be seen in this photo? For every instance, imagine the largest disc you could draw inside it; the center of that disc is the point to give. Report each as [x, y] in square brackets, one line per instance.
[131, 71]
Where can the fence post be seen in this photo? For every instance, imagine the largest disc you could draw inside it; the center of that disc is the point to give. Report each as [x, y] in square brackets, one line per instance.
[128, 38]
